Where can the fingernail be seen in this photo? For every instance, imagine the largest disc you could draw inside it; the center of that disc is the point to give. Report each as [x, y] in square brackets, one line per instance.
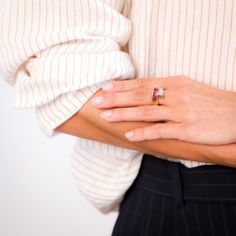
[97, 100]
[107, 87]
[129, 134]
[106, 114]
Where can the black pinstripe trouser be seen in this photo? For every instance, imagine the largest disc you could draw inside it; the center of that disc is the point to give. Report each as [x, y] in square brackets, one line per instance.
[170, 199]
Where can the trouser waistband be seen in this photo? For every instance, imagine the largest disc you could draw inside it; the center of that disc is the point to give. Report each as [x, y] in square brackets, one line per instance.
[208, 183]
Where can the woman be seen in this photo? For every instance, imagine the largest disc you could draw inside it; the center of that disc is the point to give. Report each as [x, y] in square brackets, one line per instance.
[169, 38]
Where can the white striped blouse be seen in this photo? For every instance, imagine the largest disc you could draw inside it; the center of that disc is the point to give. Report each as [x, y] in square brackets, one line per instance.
[57, 54]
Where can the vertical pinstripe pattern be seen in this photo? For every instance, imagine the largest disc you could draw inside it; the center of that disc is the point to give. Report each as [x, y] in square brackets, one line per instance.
[199, 39]
[186, 229]
[150, 207]
[210, 219]
[196, 220]
[224, 220]
[162, 216]
[209, 201]
[56, 53]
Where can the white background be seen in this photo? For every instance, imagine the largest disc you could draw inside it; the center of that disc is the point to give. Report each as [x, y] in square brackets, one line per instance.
[38, 196]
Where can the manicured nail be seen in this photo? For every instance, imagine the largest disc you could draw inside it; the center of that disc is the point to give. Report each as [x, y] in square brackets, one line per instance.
[129, 135]
[97, 100]
[106, 114]
[107, 87]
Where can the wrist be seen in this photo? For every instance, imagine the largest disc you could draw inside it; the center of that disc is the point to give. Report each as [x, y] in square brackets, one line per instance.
[221, 154]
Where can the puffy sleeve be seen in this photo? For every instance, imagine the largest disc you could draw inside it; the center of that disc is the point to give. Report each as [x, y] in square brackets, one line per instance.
[56, 53]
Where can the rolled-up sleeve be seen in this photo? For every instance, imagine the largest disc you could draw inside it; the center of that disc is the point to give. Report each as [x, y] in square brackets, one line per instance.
[57, 53]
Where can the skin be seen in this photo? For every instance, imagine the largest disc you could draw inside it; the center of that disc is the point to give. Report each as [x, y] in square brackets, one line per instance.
[190, 111]
[87, 123]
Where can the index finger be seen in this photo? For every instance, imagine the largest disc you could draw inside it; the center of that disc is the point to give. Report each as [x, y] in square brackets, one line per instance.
[133, 84]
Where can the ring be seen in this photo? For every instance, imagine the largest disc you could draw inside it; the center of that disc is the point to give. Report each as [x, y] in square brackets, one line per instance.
[156, 94]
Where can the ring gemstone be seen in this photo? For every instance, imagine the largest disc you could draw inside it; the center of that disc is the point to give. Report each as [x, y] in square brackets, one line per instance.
[161, 92]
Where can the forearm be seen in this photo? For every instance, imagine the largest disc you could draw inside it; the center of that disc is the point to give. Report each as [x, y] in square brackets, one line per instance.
[88, 124]
[79, 127]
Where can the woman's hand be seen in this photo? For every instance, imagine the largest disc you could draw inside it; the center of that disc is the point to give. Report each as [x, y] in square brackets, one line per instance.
[190, 111]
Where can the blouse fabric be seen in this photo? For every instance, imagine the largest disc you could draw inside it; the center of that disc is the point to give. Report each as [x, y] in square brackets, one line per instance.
[58, 53]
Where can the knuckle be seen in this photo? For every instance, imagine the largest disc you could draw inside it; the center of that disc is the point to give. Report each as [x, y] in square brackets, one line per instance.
[116, 84]
[142, 132]
[113, 98]
[141, 111]
[140, 94]
[122, 84]
[146, 112]
[159, 130]
[120, 113]
[142, 83]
